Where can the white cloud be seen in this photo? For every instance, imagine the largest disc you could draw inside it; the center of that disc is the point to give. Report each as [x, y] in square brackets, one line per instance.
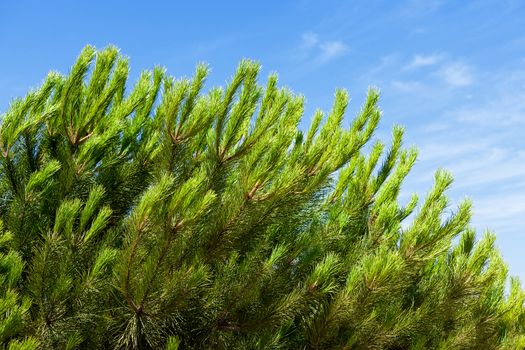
[309, 40]
[436, 127]
[406, 86]
[456, 74]
[447, 147]
[499, 212]
[488, 166]
[332, 49]
[504, 111]
[419, 61]
[473, 160]
[320, 51]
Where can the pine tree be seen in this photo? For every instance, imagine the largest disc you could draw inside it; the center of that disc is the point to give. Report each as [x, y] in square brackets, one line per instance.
[168, 216]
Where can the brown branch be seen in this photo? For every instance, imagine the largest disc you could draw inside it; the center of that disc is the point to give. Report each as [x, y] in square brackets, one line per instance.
[83, 138]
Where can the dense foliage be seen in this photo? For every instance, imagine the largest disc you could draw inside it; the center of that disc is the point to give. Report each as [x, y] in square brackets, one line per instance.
[168, 217]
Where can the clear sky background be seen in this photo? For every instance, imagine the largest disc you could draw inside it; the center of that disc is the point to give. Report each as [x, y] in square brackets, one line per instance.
[451, 72]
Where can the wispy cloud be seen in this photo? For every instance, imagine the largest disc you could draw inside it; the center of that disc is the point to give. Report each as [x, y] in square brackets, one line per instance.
[321, 51]
[501, 110]
[406, 86]
[436, 127]
[309, 40]
[435, 76]
[510, 206]
[420, 60]
[332, 49]
[504, 114]
[456, 74]
[475, 163]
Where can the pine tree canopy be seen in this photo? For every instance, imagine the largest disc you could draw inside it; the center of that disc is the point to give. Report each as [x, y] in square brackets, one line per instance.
[167, 215]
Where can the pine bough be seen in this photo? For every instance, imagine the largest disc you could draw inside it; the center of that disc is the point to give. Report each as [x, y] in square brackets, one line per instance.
[171, 217]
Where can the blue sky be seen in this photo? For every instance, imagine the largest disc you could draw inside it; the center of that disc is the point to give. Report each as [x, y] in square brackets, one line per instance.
[451, 72]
